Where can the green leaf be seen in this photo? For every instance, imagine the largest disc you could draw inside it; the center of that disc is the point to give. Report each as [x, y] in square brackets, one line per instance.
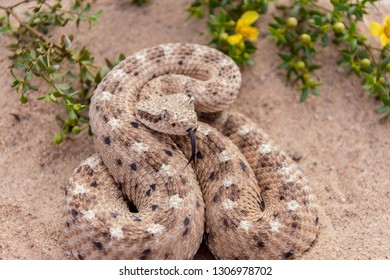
[366, 87]
[24, 88]
[315, 91]
[353, 44]
[313, 67]
[33, 53]
[286, 57]
[15, 83]
[20, 66]
[325, 40]
[369, 78]
[304, 95]
[382, 109]
[60, 75]
[72, 115]
[53, 68]
[53, 98]
[41, 62]
[352, 29]
[64, 86]
[28, 75]
[4, 29]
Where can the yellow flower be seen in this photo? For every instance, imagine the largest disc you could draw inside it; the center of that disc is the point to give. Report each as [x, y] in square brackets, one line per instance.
[381, 31]
[244, 30]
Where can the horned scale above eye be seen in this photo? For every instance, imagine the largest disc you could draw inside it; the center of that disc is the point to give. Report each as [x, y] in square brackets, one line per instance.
[140, 164]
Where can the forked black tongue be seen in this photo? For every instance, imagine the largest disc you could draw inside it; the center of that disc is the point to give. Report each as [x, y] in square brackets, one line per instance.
[193, 146]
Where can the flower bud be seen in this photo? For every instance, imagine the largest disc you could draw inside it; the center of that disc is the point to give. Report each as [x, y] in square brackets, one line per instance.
[310, 83]
[362, 37]
[23, 99]
[305, 39]
[365, 63]
[356, 67]
[338, 27]
[300, 65]
[76, 129]
[57, 138]
[291, 22]
[325, 28]
[77, 107]
[223, 36]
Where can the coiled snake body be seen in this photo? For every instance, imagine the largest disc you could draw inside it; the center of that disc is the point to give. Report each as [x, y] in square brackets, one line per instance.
[137, 199]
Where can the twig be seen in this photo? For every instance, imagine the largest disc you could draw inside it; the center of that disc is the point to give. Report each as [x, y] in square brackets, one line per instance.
[9, 10]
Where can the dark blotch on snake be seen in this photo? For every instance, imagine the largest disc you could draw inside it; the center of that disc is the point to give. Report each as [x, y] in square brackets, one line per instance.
[98, 245]
[225, 222]
[114, 214]
[288, 255]
[242, 165]
[74, 213]
[260, 244]
[148, 192]
[133, 166]
[145, 254]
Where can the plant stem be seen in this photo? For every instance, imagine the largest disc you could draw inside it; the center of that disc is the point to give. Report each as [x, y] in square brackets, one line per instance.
[61, 10]
[9, 10]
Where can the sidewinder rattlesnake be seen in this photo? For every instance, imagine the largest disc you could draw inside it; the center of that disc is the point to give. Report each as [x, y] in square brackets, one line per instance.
[136, 199]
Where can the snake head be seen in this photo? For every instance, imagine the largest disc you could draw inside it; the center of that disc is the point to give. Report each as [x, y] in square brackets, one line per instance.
[172, 114]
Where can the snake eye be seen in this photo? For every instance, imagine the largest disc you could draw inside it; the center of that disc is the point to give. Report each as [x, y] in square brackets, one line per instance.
[165, 115]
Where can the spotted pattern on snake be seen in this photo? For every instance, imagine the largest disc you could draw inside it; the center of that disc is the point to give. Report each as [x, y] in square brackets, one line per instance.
[136, 198]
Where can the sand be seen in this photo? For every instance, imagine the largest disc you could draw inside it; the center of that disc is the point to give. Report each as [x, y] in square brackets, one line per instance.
[343, 148]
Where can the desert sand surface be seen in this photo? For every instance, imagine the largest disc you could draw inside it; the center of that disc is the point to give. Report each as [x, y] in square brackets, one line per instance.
[342, 147]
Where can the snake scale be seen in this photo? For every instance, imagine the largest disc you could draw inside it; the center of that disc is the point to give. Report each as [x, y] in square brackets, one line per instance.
[136, 198]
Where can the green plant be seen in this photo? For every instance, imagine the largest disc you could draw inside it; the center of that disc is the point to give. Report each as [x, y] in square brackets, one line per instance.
[230, 25]
[69, 72]
[317, 27]
[300, 30]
